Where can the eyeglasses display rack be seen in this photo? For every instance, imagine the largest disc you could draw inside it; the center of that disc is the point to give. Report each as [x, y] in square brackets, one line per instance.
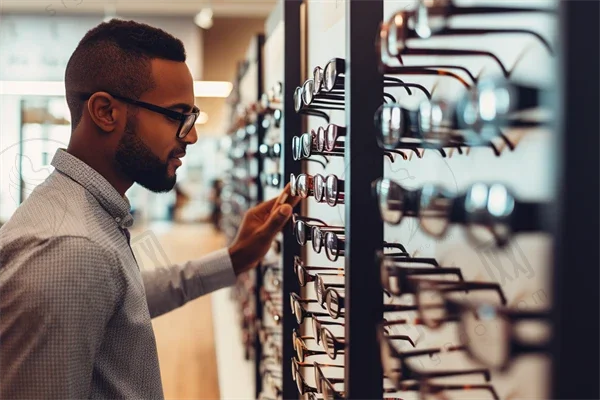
[244, 187]
[420, 138]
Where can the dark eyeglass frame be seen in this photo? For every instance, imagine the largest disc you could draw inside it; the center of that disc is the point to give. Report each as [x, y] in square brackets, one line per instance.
[408, 373]
[442, 287]
[395, 38]
[303, 388]
[304, 276]
[296, 365]
[411, 125]
[302, 351]
[300, 312]
[271, 180]
[335, 70]
[317, 327]
[325, 385]
[520, 98]
[327, 137]
[183, 118]
[391, 270]
[273, 151]
[515, 347]
[321, 287]
[426, 388]
[423, 30]
[335, 246]
[333, 296]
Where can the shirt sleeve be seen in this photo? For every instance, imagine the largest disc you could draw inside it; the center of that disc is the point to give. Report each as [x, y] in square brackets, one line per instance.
[168, 288]
[56, 298]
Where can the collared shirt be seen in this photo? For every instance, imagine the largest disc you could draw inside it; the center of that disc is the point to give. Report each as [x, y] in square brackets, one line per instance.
[75, 309]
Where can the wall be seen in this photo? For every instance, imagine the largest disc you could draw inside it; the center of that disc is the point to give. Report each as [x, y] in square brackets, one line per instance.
[39, 47]
[225, 44]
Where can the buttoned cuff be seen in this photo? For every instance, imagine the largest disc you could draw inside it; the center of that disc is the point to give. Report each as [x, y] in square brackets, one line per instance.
[217, 270]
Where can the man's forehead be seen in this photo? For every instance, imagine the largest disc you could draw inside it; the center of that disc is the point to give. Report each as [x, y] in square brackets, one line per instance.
[173, 82]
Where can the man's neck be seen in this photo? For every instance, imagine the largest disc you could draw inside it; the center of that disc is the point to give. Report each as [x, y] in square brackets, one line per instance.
[97, 160]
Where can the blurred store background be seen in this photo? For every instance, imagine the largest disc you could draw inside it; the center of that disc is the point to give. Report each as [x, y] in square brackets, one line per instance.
[36, 41]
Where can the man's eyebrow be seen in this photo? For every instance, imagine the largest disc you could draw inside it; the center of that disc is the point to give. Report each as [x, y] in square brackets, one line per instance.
[182, 106]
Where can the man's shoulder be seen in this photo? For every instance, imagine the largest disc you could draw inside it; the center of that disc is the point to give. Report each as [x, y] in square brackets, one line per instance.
[56, 207]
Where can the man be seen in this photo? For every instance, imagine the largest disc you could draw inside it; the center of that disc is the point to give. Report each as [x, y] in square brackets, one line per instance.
[75, 308]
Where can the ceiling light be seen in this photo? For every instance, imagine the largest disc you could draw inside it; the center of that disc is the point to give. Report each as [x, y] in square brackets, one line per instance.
[212, 88]
[204, 19]
[202, 118]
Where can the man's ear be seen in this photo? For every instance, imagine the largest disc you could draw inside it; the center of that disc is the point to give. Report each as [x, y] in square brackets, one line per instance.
[105, 111]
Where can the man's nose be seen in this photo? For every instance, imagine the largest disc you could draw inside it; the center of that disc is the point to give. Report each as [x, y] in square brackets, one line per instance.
[191, 137]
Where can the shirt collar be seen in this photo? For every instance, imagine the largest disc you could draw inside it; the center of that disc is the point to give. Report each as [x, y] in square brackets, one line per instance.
[116, 205]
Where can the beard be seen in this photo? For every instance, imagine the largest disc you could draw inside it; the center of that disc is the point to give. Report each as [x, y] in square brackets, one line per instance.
[140, 164]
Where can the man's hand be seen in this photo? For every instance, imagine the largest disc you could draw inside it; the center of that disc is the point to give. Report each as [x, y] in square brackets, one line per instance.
[259, 228]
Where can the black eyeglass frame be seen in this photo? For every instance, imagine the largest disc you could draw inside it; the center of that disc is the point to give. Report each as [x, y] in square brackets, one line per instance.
[181, 117]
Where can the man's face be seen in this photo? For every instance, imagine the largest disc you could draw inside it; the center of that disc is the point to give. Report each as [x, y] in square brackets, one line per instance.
[149, 151]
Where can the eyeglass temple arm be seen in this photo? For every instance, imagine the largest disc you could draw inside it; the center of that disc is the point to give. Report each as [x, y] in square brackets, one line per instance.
[334, 229]
[467, 71]
[456, 52]
[423, 260]
[461, 10]
[314, 113]
[388, 96]
[438, 387]
[330, 322]
[474, 31]
[402, 337]
[395, 246]
[528, 348]
[430, 352]
[399, 307]
[415, 85]
[478, 286]
[431, 271]
[313, 314]
[388, 153]
[334, 285]
[303, 218]
[439, 374]
[424, 71]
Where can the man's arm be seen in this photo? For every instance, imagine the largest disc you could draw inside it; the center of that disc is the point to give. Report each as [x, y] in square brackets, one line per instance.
[172, 287]
[55, 301]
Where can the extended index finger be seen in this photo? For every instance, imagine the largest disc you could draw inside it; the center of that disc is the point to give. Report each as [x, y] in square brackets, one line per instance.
[286, 197]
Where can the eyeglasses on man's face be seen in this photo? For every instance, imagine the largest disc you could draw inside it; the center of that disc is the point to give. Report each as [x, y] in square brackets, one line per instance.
[186, 120]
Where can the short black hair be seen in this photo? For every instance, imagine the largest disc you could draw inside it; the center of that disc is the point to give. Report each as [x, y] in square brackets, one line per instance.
[115, 57]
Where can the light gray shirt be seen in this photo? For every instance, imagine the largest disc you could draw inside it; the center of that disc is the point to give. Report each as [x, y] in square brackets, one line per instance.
[75, 309]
